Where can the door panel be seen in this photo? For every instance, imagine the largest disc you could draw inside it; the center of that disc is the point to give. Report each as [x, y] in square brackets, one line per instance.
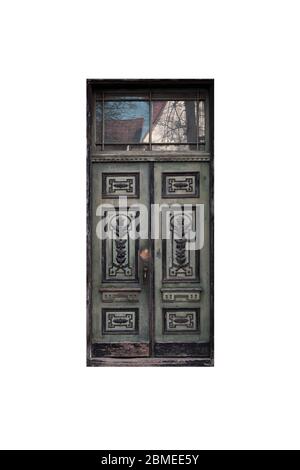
[120, 315]
[122, 289]
[181, 275]
[179, 264]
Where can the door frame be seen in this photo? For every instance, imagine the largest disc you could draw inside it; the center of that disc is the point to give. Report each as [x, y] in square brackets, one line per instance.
[148, 156]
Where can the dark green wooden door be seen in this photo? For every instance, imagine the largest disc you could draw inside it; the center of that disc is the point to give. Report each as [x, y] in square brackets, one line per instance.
[181, 267]
[120, 294]
[150, 292]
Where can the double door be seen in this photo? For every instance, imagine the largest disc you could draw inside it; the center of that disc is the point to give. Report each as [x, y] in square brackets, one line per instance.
[150, 259]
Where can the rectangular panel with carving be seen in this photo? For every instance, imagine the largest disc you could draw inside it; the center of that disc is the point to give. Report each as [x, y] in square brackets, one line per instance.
[181, 296]
[120, 296]
[181, 320]
[119, 248]
[115, 185]
[180, 263]
[180, 184]
[124, 320]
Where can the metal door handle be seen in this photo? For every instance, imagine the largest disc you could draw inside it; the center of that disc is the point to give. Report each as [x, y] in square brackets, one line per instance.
[145, 257]
[145, 272]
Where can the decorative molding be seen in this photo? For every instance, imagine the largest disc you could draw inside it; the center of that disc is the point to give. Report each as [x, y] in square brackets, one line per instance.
[131, 156]
[181, 320]
[179, 263]
[181, 185]
[120, 321]
[181, 296]
[119, 250]
[115, 185]
[120, 296]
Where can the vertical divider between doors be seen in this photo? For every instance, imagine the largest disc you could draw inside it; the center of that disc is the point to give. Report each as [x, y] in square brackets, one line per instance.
[152, 262]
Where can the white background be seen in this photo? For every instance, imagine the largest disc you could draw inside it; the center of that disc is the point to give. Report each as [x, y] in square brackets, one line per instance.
[49, 398]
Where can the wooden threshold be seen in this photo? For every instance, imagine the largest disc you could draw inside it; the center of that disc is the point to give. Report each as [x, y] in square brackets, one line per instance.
[151, 362]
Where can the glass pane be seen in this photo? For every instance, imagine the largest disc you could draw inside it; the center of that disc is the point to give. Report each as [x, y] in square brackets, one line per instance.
[174, 121]
[98, 122]
[126, 121]
[201, 121]
[126, 95]
[127, 147]
[174, 94]
[174, 147]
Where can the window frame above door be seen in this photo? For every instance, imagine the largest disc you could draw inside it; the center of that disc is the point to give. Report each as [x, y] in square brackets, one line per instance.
[97, 90]
[103, 100]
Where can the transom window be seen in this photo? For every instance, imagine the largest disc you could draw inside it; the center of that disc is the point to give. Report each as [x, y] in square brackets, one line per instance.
[151, 120]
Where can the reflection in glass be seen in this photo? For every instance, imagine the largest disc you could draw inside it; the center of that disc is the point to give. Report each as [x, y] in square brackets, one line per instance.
[115, 147]
[126, 95]
[174, 121]
[201, 120]
[174, 94]
[98, 122]
[126, 124]
[174, 147]
[126, 121]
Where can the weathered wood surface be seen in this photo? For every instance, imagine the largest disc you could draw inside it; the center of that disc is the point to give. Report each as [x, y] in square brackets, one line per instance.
[151, 362]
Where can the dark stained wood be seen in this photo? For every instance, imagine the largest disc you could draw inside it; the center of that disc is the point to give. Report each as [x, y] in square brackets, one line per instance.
[140, 84]
[120, 349]
[89, 219]
[211, 215]
[151, 362]
[182, 349]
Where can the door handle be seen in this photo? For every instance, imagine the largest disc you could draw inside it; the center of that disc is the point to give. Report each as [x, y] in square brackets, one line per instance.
[145, 272]
[145, 257]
